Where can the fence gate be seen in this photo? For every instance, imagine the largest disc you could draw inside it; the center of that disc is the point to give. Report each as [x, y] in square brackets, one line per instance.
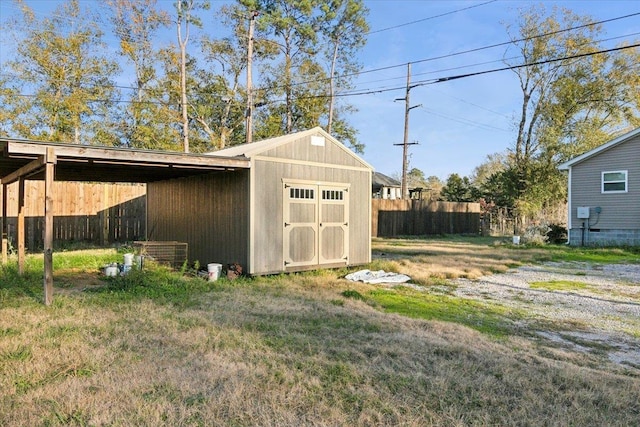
[316, 224]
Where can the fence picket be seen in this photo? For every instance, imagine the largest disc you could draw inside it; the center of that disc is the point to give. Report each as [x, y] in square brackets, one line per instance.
[83, 212]
[392, 218]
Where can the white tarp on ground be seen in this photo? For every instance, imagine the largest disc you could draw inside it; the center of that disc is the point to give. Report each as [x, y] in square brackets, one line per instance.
[375, 277]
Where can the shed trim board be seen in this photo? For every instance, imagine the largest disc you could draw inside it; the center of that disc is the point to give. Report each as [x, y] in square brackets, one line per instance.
[251, 235]
[308, 163]
[256, 148]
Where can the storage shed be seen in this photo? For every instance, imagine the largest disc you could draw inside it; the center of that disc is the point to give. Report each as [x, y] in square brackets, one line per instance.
[304, 203]
[24, 160]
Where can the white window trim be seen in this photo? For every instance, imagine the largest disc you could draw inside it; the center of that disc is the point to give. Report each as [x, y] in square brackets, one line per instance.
[626, 182]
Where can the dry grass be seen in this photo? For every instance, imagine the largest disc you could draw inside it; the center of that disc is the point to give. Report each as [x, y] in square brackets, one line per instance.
[449, 259]
[288, 350]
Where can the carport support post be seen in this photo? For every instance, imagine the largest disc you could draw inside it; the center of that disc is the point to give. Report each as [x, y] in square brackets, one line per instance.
[5, 226]
[50, 161]
[21, 232]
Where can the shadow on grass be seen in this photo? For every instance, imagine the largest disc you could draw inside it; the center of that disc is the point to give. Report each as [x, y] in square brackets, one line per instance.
[14, 286]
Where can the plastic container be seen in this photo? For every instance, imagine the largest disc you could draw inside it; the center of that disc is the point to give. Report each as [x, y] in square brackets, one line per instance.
[215, 270]
[111, 270]
[128, 259]
[516, 240]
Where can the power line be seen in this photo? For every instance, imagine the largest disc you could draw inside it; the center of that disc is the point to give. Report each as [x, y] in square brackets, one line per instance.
[494, 70]
[395, 78]
[526, 38]
[444, 56]
[465, 121]
[389, 67]
[429, 18]
[401, 77]
[514, 67]
[429, 81]
[433, 81]
[474, 105]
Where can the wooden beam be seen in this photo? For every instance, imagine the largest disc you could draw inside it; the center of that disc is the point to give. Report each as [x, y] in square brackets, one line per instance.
[124, 155]
[50, 161]
[21, 231]
[24, 171]
[5, 226]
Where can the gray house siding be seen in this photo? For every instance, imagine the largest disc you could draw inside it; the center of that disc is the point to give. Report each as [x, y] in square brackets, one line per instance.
[619, 219]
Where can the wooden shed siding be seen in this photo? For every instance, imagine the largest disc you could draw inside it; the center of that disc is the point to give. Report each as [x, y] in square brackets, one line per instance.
[302, 150]
[619, 211]
[210, 212]
[268, 236]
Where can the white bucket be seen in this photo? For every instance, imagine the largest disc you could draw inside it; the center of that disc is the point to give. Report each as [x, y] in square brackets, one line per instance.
[128, 259]
[111, 270]
[516, 240]
[214, 271]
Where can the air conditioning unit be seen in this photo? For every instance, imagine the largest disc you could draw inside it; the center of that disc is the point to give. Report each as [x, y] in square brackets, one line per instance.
[583, 212]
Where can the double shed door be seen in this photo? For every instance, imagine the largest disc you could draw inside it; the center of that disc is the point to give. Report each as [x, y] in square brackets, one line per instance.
[316, 224]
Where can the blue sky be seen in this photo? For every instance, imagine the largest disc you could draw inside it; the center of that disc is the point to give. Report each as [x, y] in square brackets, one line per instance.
[460, 122]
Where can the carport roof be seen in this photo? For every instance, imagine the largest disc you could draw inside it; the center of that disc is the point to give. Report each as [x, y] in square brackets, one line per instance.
[106, 164]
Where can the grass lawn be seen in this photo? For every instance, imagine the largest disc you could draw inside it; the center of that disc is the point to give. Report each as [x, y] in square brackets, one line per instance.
[163, 348]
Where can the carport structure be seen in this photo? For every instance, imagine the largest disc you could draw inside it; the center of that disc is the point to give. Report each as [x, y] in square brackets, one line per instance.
[23, 160]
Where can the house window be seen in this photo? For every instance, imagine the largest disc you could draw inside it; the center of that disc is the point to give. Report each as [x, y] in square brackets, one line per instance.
[614, 182]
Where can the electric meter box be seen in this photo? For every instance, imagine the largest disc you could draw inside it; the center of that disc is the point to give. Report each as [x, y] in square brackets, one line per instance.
[583, 212]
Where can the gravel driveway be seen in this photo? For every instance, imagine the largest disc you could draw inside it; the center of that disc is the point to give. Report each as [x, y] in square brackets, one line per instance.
[600, 315]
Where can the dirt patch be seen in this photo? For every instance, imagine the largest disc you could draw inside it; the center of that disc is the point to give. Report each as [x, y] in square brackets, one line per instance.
[71, 281]
[591, 309]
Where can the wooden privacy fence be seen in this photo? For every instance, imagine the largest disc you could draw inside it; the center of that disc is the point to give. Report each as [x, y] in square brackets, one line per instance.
[95, 213]
[390, 218]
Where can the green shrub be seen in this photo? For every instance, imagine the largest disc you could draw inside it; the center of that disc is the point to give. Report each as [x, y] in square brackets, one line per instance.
[557, 234]
[350, 293]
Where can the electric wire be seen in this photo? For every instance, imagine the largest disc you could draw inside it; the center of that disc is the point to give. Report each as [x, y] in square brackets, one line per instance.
[430, 17]
[450, 55]
[431, 81]
[360, 92]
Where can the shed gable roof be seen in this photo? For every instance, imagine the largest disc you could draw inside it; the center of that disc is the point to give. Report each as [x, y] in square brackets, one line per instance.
[257, 148]
[606, 146]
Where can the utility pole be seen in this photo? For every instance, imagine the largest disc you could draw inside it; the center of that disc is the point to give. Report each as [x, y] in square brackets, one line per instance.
[249, 113]
[405, 144]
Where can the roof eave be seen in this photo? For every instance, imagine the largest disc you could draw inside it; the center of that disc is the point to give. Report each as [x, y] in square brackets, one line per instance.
[622, 138]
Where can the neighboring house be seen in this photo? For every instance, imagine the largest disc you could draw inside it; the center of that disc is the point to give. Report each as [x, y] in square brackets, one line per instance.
[385, 187]
[604, 193]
